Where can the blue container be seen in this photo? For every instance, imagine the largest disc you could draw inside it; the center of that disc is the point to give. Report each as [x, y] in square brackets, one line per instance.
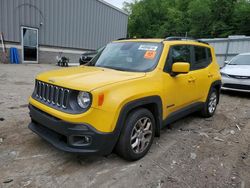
[14, 58]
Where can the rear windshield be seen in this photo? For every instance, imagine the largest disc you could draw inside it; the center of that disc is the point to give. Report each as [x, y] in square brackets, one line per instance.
[129, 56]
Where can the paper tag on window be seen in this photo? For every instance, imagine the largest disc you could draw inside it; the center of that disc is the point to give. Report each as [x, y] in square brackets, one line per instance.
[150, 54]
[148, 47]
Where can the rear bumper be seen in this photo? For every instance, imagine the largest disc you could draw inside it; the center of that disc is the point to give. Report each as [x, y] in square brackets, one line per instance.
[234, 84]
[70, 137]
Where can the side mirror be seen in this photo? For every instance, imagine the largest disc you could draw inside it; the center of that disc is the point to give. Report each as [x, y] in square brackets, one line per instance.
[224, 64]
[86, 57]
[180, 68]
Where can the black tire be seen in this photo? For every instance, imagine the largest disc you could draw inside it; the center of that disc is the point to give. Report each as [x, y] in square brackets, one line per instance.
[211, 103]
[133, 121]
[80, 61]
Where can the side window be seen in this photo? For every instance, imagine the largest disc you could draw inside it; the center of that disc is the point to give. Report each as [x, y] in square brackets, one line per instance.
[178, 53]
[202, 57]
[209, 55]
[181, 54]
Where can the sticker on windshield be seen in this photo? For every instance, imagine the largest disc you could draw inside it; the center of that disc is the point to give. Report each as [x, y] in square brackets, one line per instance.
[148, 47]
[150, 54]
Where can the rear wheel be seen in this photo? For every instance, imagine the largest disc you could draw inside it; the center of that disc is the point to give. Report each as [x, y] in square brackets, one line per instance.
[137, 135]
[211, 103]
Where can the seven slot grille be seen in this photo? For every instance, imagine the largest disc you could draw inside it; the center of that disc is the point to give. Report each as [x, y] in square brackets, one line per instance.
[52, 94]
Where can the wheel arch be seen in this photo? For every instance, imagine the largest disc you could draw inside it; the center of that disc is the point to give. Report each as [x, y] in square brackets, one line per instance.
[217, 85]
[152, 103]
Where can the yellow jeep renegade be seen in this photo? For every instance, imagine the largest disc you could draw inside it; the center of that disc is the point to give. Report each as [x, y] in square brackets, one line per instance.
[124, 96]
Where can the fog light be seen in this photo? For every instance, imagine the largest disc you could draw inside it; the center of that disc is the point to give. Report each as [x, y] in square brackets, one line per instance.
[80, 140]
[87, 139]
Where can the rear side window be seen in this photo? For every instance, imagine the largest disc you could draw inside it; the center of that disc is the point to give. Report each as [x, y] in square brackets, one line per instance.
[202, 57]
[178, 53]
[209, 55]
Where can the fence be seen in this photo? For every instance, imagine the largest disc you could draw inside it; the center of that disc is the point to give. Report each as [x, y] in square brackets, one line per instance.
[227, 48]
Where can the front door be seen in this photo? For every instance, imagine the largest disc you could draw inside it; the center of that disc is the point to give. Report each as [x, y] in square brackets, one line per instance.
[29, 44]
[180, 87]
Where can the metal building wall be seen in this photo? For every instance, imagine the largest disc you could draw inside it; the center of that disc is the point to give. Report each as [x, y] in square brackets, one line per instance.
[86, 24]
[227, 48]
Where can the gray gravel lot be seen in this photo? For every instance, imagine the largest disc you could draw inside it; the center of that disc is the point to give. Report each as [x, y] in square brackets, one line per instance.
[193, 152]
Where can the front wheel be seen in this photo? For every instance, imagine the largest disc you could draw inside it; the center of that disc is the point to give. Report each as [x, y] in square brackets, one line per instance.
[211, 103]
[137, 135]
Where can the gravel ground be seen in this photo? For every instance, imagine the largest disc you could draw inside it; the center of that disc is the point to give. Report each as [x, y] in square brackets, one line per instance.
[193, 152]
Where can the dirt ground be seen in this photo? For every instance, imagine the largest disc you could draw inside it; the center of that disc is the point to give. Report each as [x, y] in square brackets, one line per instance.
[192, 152]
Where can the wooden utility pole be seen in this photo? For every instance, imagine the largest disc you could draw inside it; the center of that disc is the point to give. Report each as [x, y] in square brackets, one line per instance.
[4, 55]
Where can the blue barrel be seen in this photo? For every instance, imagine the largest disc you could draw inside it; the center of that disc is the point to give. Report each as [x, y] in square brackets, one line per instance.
[14, 58]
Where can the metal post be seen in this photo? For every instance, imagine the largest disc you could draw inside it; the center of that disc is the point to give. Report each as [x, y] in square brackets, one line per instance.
[228, 44]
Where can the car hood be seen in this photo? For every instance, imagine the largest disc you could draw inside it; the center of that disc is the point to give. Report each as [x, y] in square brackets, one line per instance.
[238, 70]
[86, 78]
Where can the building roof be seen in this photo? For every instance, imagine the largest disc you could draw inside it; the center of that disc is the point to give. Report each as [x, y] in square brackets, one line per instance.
[114, 7]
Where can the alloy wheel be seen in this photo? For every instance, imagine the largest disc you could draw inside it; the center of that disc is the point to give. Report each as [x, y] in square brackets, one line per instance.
[141, 135]
[212, 103]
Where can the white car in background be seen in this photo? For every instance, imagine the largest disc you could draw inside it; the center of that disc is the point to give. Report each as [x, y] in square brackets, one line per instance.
[236, 73]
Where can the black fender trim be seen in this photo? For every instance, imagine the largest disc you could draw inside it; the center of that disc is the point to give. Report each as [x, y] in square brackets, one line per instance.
[127, 108]
[216, 84]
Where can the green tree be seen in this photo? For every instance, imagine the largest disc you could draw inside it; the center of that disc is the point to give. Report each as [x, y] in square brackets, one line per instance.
[241, 18]
[198, 18]
[221, 17]
[146, 17]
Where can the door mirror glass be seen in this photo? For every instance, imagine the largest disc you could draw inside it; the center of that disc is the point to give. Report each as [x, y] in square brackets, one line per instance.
[180, 68]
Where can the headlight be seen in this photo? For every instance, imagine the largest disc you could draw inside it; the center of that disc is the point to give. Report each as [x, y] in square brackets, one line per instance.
[223, 74]
[83, 99]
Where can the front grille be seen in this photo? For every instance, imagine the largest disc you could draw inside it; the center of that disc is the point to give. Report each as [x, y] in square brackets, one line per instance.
[51, 94]
[237, 86]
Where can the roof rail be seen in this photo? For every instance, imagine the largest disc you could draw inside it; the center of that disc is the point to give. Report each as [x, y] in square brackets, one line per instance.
[178, 38]
[123, 38]
[184, 38]
[128, 38]
[201, 41]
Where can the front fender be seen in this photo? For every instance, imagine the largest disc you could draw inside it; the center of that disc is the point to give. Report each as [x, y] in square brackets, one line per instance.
[117, 96]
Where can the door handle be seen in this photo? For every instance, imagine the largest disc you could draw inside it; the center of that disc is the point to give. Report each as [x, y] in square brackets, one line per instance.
[210, 75]
[191, 80]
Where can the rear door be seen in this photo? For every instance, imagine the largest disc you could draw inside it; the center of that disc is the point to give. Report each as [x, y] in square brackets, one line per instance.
[201, 58]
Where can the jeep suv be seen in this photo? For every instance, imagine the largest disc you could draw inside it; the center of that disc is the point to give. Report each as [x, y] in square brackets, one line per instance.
[124, 96]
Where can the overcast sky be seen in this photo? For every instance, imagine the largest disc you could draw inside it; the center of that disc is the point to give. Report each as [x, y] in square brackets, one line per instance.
[117, 3]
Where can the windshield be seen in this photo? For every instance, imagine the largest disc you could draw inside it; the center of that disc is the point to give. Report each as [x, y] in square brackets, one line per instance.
[240, 60]
[129, 56]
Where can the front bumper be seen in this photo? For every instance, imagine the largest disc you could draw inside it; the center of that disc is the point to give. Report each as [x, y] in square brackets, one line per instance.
[70, 137]
[235, 84]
